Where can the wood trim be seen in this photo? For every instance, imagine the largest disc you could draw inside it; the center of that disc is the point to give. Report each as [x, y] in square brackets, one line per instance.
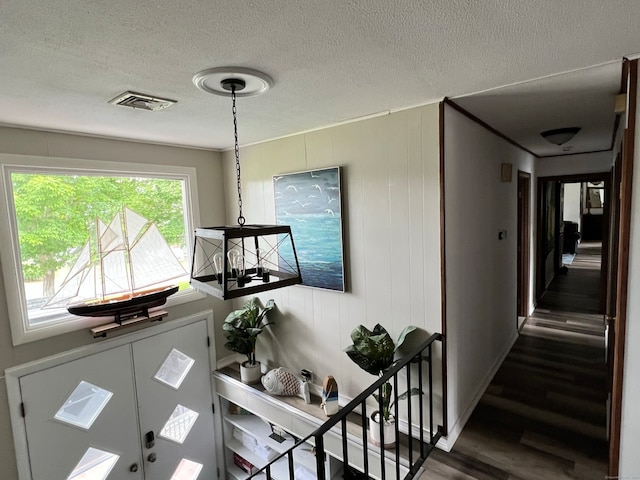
[578, 177]
[472, 117]
[607, 212]
[575, 153]
[615, 239]
[540, 286]
[443, 274]
[524, 244]
[628, 146]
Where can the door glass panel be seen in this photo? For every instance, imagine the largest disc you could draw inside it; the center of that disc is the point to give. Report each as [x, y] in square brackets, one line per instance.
[178, 426]
[84, 405]
[174, 369]
[187, 470]
[94, 465]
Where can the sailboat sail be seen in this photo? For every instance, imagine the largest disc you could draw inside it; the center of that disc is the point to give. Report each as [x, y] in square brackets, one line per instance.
[131, 254]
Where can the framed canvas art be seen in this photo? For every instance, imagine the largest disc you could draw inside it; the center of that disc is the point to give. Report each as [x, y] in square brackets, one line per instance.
[311, 203]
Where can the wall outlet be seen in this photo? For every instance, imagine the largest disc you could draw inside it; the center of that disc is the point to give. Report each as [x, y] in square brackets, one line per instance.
[502, 234]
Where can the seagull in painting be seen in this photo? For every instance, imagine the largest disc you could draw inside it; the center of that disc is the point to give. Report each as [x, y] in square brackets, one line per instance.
[279, 195]
[312, 196]
[275, 179]
[331, 199]
[286, 214]
[318, 187]
[292, 187]
[302, 204]
[301, 220]
[314, 176]
[332, 188]
[329, 211]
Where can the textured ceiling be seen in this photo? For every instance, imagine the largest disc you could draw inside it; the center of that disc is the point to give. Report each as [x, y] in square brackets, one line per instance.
[583, 98]
[331, 61]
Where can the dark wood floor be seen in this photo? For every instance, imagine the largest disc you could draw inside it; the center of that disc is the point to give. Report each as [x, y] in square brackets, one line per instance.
[544, 414]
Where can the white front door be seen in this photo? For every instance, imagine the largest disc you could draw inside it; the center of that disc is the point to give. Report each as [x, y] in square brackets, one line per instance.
[87, 415]
[175, 404]
[81, 420]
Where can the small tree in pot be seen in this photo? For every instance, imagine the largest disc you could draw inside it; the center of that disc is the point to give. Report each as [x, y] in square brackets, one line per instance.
[374, 352]
[242, 328]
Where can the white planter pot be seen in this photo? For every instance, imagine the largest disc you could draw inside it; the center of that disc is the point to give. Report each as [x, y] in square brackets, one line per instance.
[389, 430]
[250, 374]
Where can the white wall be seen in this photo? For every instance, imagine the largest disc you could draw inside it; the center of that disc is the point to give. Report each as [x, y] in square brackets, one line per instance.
[630, 432]
[391, 208]
[481, 271]
[574, 164]
[571, 211]
[212, 212]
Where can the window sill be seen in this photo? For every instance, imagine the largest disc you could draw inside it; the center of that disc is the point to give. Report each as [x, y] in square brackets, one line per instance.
[75, 323]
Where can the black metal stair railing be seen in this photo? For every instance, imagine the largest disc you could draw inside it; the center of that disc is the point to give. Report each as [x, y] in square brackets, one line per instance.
[411, 451]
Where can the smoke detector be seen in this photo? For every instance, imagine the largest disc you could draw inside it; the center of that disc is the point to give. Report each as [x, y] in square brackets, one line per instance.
[141, 101]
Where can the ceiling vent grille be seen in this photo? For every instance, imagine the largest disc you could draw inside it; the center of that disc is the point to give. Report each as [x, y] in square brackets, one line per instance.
[141, 101]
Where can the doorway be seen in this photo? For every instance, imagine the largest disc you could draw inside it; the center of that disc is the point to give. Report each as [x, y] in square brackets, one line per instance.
[573, 212]
[524, 220]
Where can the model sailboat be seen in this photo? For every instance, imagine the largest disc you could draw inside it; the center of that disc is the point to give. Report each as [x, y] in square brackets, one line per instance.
[119, 276]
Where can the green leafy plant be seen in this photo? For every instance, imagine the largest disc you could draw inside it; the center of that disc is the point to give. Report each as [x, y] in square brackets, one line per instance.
[243, 326]
[374, 352]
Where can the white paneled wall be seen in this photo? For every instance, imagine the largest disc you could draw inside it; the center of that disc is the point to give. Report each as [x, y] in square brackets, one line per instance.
[391, 211]
[480, 269]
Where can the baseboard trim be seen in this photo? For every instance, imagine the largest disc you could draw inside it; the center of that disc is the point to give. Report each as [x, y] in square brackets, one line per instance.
[447, 443]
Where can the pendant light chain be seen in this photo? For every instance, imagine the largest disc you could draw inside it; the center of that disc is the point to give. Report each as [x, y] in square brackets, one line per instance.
[241, 219]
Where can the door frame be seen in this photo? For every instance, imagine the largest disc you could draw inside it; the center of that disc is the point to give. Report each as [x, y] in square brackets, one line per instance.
[630, 86]
[606, 214]
[524, 242]
[13, 375]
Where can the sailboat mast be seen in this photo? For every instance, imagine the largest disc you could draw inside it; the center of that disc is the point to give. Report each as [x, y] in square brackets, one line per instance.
[100, 253]
[127, 249]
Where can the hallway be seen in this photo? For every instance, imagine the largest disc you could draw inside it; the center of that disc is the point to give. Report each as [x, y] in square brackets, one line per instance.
[544, 414]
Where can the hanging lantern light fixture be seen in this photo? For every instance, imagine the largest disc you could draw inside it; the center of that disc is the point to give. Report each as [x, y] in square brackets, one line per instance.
[233, 261]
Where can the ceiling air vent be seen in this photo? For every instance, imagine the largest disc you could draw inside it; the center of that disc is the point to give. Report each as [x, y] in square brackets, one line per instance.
[141, 101]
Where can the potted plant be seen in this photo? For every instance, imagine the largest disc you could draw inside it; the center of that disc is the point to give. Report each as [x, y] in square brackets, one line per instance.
[374, 352]
[242, 328]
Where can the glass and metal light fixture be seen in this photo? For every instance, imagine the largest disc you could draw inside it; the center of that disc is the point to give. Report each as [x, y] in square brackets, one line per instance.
[560, 136]
[233, 261]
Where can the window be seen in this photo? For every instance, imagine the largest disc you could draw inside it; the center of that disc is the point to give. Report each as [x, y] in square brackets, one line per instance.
[84, 230]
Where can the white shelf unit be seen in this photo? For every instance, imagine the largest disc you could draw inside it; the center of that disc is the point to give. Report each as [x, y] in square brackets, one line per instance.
[300, 421]
[255, 428]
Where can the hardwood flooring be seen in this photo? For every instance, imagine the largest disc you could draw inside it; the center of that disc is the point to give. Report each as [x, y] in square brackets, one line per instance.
[544, 414]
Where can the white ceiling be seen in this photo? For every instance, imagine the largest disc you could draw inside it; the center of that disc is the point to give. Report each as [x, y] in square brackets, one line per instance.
[331, 60]
[583, 98]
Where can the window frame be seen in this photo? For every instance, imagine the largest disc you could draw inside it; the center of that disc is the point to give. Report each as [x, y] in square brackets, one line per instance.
[11, 261]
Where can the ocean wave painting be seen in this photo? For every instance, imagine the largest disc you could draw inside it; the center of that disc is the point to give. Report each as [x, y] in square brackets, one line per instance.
[310, 202]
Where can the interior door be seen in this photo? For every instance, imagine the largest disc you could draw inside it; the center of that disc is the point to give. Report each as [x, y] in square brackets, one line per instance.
[81, 420]
[524, 219]
[173, 381]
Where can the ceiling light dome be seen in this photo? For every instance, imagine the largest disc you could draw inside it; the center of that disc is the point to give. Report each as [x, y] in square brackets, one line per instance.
[560, 136]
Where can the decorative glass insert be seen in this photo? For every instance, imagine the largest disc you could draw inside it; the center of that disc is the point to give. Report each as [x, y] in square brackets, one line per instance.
[174, 369]
[187, 470]
[179, 423]
[84, 405]
[94, 465]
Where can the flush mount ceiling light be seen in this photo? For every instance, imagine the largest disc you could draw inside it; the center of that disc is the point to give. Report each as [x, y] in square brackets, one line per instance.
[560, 136]
[233, 261]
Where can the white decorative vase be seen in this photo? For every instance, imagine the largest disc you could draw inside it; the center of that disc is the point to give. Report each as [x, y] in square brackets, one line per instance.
[389, 430]
[250, 374]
